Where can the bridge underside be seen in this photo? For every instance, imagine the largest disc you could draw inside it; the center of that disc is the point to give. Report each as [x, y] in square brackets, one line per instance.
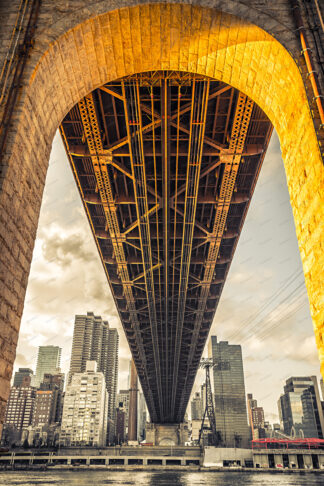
[166, 165]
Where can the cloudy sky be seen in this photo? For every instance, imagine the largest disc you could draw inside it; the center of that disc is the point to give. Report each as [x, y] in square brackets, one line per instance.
[264, 305]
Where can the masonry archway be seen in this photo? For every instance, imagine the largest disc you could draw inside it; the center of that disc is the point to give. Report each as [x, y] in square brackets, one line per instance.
[147, 38]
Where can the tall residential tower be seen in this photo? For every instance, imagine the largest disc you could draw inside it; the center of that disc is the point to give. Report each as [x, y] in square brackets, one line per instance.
[93, 340]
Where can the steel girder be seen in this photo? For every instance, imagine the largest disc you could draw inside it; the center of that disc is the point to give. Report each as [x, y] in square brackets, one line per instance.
[158, 162]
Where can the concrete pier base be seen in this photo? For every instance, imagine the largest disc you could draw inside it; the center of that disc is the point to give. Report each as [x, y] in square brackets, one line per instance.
[167, 434]
[222, 457]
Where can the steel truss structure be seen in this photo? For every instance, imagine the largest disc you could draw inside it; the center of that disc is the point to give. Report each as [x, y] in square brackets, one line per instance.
[215, 439]
[166, 165]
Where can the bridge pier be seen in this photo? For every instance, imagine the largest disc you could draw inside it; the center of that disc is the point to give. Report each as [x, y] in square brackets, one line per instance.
[167, 434]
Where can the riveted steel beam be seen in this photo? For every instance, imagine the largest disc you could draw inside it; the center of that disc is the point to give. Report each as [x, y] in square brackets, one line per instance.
[92, 135]
[240, 127]
[134, 125]
[200, 91]
[166, 193]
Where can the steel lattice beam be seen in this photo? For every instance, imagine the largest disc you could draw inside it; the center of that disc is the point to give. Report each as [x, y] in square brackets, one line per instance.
[158, 162]
[92, 133]
[200, 93]
[135, 141]
[241, 121]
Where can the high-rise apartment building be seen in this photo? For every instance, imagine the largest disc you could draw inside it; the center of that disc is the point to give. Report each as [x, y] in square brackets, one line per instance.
[251, 402]
[120, 426]
[196, 407]
[229, 393]
[53, 381]
[21, 374]
[44, 408]
[20, 406]
[85, 410]
[123, 403]
[48, 361]
[112, 371]
[300, 408]
[48, 401]
[256, 417]
[93, 340]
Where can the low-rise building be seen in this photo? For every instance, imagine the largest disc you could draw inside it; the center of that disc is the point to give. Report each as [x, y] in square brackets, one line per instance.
[21, 374]
[287, 453]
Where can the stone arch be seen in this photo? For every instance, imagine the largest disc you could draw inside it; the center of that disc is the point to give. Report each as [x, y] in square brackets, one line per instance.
[276, 21]
[167, 441]
[168, 36]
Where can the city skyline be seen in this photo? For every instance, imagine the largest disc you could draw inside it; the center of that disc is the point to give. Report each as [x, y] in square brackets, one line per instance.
[65, 248]
[197, 398]
[228, 397]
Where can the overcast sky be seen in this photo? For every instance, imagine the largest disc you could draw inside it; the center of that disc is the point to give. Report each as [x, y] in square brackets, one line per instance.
[264, 305]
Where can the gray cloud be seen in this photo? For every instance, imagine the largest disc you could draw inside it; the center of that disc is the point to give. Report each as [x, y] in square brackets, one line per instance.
[64, 250]
[23, 361]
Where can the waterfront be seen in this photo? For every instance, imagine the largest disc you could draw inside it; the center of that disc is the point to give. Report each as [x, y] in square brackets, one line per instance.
[165, 478]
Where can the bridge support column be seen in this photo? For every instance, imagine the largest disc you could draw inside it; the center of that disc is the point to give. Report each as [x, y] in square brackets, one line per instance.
[167, 434]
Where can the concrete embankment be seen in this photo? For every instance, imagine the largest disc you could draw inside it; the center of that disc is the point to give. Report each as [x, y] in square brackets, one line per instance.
[176, 458]
[61, 467]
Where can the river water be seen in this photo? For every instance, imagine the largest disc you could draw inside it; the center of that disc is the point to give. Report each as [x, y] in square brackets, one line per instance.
[165, 478]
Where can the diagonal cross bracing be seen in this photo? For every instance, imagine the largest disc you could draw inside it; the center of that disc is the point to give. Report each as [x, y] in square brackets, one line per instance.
[135, 141]
[92, 134]
[162, 211]
[241, 121]
[200, 93]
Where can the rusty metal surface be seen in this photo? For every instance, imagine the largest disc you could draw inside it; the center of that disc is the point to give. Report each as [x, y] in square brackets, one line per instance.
[132, 410]
[166, 165]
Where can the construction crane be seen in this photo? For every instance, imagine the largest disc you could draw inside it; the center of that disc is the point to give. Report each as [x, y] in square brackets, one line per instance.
[207, 364]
